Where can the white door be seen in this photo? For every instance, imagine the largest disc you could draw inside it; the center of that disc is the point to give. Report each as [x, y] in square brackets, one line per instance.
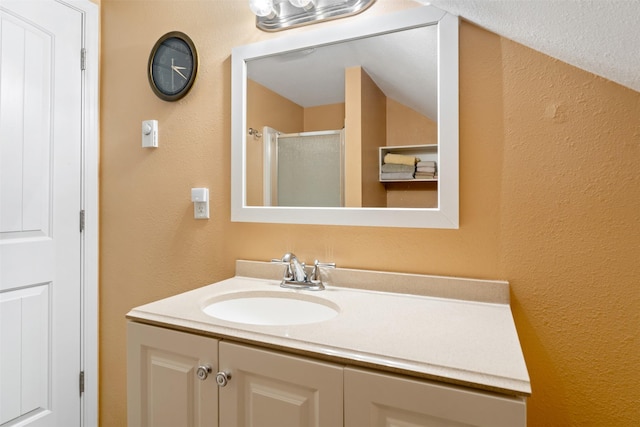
[40, 200]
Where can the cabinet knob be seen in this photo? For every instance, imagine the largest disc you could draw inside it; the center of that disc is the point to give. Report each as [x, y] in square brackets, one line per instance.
[203, 372]
[222, 378]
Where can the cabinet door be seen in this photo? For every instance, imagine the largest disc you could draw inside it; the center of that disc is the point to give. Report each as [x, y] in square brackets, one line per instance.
[375, 399]
[162, 383]
[271, 389]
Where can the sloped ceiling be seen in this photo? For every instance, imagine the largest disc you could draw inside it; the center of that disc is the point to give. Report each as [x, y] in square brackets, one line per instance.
[600, 36]
[398, 62]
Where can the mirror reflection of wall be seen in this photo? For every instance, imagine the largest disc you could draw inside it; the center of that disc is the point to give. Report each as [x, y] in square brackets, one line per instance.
[379, 105]
[408, 127]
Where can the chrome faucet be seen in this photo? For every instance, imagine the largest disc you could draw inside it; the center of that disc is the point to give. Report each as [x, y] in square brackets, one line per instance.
[295, 275]
[295, 272]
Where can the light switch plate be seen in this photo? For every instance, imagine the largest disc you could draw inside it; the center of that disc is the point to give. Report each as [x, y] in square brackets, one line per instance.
[150, 133]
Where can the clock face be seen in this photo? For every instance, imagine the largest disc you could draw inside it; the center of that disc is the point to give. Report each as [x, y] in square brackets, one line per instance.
[172, 66]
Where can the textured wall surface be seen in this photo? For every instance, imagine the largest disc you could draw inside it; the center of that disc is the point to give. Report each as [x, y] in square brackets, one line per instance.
[576, 32]
[550, 201]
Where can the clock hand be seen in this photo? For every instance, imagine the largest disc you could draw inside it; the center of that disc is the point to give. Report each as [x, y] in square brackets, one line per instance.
[177, 70]
[172, 76]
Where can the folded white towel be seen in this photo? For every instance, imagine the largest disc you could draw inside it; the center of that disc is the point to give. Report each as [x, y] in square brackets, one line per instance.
[424, 175]
[400, 159]
[426, 169]
[428, 163]
[395, 167]
[393, 176]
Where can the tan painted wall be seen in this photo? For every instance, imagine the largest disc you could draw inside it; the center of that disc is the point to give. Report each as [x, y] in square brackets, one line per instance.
[353, 139]
[550, 200]
[365, 131]
[408, 127]
[373, 105]
[324, 117]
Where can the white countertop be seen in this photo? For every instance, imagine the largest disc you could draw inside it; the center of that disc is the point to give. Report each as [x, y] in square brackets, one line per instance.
[466, 342]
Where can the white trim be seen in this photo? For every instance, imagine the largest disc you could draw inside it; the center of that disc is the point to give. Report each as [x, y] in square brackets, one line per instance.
[447, 213]
[91, 207]
[90, 191]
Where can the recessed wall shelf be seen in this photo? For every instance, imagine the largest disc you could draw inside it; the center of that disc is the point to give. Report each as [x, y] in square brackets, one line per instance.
[427, 152]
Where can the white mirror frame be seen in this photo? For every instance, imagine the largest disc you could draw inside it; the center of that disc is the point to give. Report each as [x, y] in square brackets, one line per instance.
[446, 215]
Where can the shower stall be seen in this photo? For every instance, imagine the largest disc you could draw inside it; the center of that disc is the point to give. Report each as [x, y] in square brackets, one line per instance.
[303, 169]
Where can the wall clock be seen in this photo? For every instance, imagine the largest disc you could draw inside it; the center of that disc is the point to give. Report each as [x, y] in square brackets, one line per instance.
[173, 65]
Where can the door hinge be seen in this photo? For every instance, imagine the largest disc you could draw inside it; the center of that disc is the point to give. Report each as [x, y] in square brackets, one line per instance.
[83, 59]
[81, 382]
[82, 220]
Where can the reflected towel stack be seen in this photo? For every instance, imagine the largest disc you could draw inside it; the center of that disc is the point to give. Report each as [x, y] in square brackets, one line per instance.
[400, 159]
[426, 170]
[398, 167]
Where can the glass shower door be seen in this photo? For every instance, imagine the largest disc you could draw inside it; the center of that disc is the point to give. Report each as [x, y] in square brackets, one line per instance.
[310, 169]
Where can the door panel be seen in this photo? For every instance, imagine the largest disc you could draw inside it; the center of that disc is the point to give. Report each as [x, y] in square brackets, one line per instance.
[24, 317]
[162, 385]
[273, 389]
[25, 82]
[40, 199]
[384, 400]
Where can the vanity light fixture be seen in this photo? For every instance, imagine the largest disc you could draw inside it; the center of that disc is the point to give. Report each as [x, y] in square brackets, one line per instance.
[276, 15]
[262, 8]
[304, 4]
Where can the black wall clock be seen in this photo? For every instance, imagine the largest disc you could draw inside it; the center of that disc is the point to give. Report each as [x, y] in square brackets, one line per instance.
[173, 64]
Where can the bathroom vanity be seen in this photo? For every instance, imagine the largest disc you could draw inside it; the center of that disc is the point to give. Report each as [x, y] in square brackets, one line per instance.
[386, 348]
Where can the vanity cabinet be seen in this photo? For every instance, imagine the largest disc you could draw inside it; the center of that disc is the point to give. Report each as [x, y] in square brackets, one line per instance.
[252, 386]
[259, 387]
[270, 388]
[163, 385]
[378, 399]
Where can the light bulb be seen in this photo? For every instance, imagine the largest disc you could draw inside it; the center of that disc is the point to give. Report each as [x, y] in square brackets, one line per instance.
[301, 3]
[261, 7]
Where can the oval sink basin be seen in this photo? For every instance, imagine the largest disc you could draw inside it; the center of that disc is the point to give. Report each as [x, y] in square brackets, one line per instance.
[271, 308]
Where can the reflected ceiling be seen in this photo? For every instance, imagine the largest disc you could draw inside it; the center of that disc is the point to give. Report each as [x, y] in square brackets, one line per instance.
[398, 63]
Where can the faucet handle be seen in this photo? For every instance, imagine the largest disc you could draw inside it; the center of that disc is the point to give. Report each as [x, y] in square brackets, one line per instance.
[315, 274]
[317, 263]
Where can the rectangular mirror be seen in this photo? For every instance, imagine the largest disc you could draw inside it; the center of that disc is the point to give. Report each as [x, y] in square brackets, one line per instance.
[354, 124]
